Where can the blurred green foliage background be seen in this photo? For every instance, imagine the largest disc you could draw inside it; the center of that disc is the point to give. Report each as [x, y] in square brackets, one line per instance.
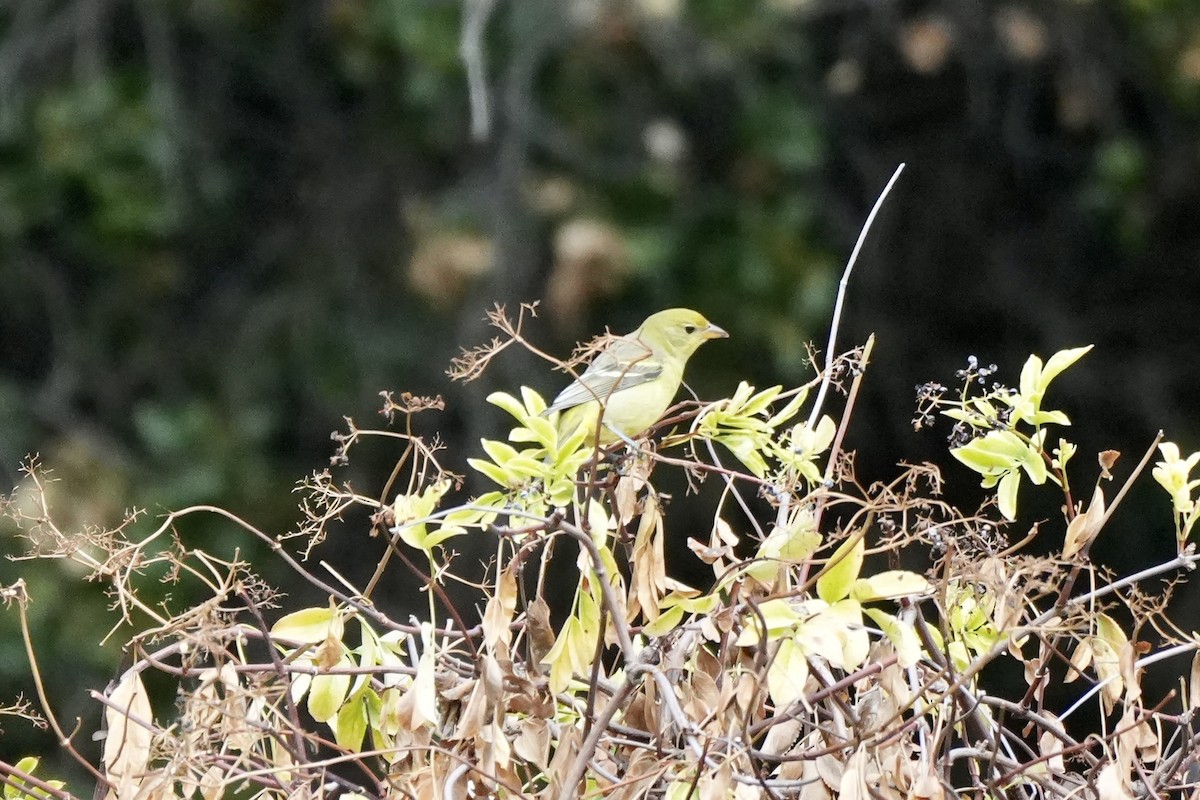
[225, 224]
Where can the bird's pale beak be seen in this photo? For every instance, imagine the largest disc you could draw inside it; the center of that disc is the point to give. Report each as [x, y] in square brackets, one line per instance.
[713, 332]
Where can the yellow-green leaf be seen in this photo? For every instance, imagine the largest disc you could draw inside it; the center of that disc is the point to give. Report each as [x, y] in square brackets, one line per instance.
[779, 616]
[900, 634]
[796, 542]
[788, 411]
[995, 453]
[493, 472]
[499, 452]
[1059, 362]
[28, 765]
[787, 674]
[845, 564]
[308, 625]
[889, 585]
[350, 725]
[1110, 632]
[559, 659]
[746, 449]
[509, 403]
[327, 693]
[1006, 494]
[666, 622]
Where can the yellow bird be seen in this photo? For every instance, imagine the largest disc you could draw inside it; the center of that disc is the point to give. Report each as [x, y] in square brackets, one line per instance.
[635, 378]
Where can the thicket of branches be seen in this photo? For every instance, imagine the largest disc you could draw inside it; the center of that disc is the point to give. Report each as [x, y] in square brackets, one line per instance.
[813, 665]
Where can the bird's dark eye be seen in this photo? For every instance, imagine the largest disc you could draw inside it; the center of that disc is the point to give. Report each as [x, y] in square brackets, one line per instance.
[689, 329]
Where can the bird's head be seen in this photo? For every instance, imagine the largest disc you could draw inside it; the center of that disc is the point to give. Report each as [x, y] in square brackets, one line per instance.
[678, 331]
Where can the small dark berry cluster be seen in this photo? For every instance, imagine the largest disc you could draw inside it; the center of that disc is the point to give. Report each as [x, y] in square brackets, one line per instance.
[974, 372]
[929, 396]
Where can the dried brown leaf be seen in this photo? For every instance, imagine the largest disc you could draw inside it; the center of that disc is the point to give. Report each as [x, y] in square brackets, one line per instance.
[499, 611]
[565, 752]
[648, 576]
[1083, 529]
[702, 696]
[1108, 459]
[927, 787]
[532, 743]
[541, 632]
[126, 753]
[716, 785]
[1194, 683]
[1080, 659]
[781, 737]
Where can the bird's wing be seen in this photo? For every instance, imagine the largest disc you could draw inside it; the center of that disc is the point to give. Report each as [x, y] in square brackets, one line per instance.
[624, 364]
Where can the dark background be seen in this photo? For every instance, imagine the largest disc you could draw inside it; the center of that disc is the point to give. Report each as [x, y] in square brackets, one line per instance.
[225, 224]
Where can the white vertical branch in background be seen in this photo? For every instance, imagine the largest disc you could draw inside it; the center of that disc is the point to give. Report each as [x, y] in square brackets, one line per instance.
[831, 345]
[476, 14]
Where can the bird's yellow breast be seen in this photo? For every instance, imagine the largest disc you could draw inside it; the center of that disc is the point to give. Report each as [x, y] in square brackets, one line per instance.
[631, 411]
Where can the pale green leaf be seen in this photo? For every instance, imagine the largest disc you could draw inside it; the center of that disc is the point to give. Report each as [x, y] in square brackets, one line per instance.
[788, 411]
[441, 534]
[308, 625]
[425, 690]
[413, 534]
[667, 621]
[1109, 631]
[1035, 466]
[498, 452]
[740, 395]
[823, 636]
[545, 432]
[959, 655]
[560, 656]
[797, 542]
[493, 472]
[1050, 417]
[1059, 362]
[787, 674]
[998, 451]
[889, 585]
[327, 693]
[509, 403]
[350, 726]
[746, 449]
[526, 467]
[1006, 495]
[845, 564]
[902, 636]
[760, 402]
[534, 403]
[1031, 374]
[779, 617]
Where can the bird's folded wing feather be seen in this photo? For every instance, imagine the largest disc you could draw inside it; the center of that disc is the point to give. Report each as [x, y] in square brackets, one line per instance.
[625, 364]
